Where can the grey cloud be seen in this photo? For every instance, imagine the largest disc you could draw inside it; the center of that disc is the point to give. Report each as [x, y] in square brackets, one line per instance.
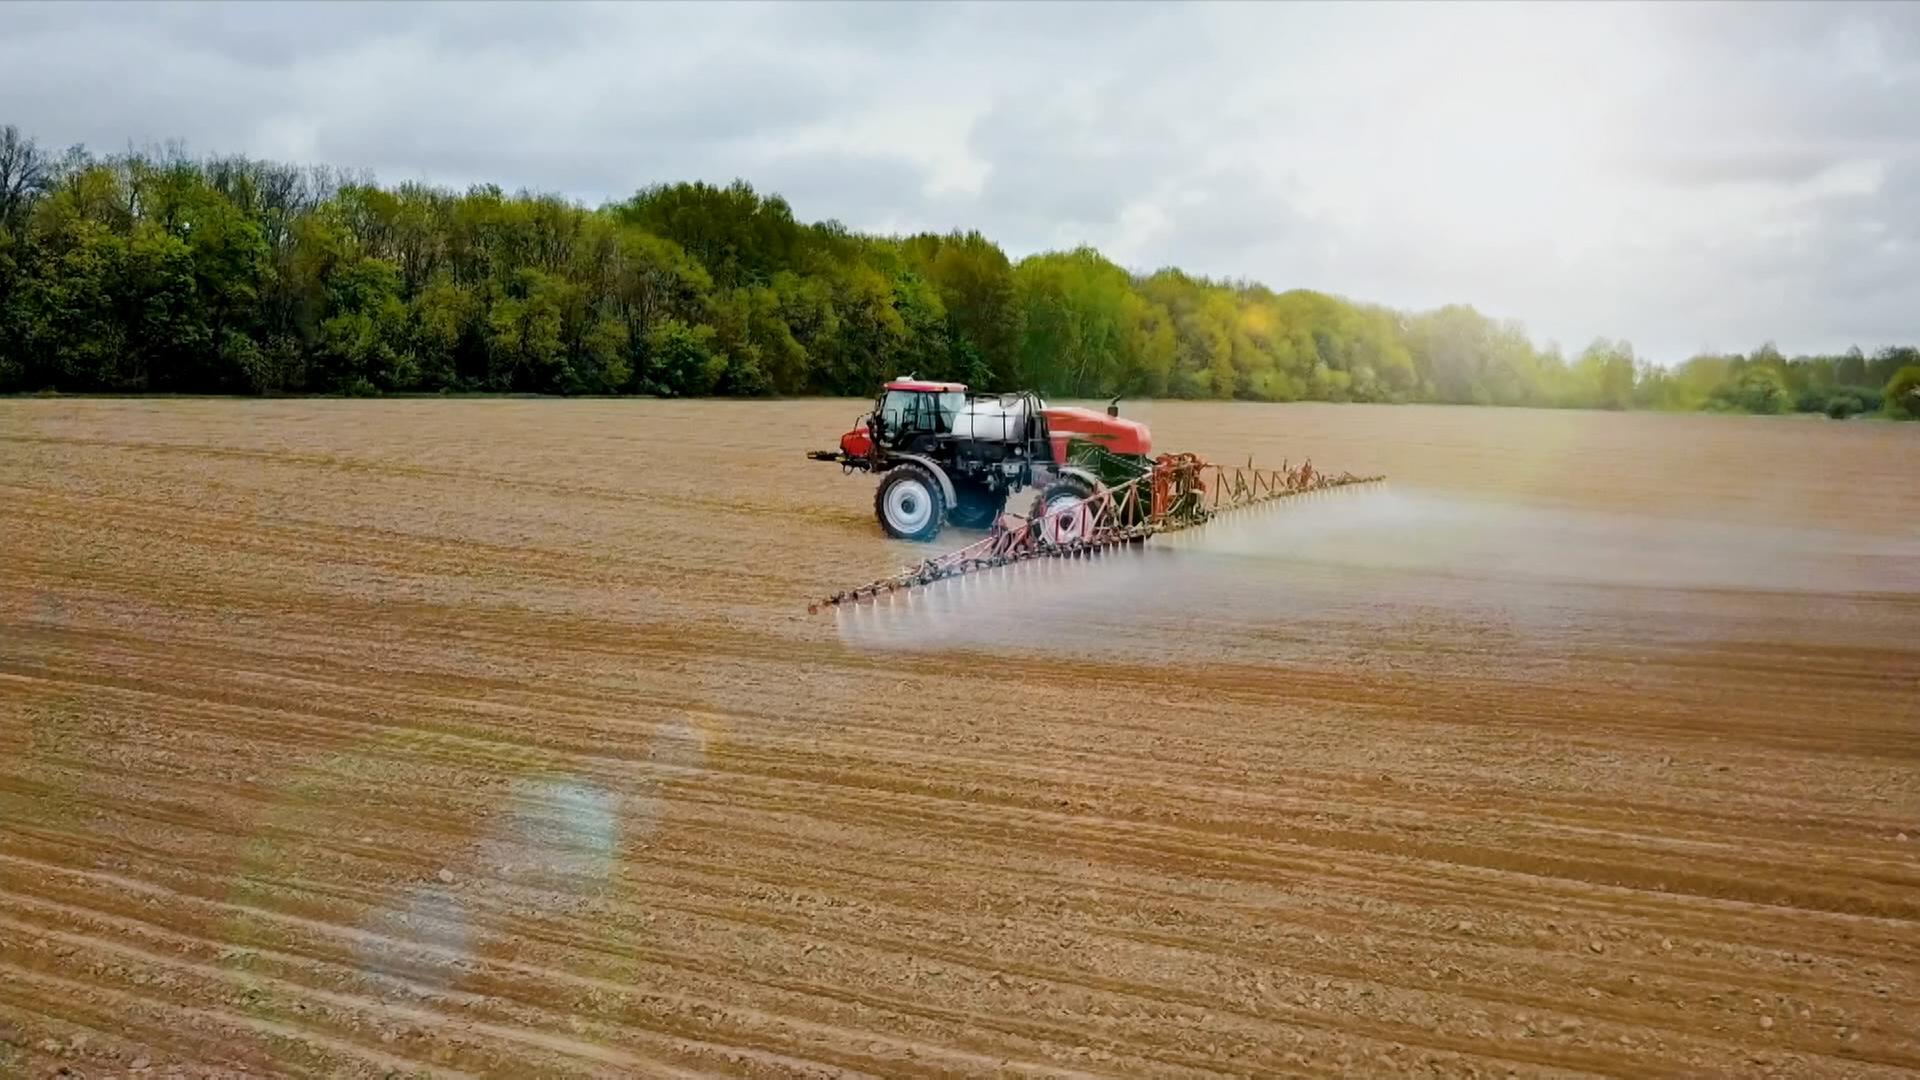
[1210, 227]
[1704, 165]
[1055, 164]
[1856, 272]
[849, 187]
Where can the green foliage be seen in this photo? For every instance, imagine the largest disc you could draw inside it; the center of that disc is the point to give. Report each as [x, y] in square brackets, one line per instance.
[362, 340]
[1903, 393]
[1604, 375]
[143, 273]
[681, 360]
[738, 236]
[974, 282]
[446, 334]
[1887, 363]
[1851, 369]
[1838, 402]
[1755, 388]
[1076, 326]
[1690, 385]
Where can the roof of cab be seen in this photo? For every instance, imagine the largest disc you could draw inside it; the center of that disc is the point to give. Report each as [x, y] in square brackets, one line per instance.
[924, 385]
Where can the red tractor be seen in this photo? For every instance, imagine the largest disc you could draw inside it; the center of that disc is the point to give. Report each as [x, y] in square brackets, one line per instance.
[945, 455]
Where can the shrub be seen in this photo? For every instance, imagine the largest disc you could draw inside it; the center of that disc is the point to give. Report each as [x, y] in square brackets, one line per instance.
[1903, 393]
[1755, 390]
[1839, 402]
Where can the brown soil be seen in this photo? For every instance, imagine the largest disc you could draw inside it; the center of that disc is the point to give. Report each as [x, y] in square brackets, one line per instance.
[492, 738]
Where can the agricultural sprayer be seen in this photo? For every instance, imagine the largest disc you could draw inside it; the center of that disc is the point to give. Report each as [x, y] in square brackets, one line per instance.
[945, 456]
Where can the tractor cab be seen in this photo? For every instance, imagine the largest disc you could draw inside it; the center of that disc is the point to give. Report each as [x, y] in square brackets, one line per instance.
[909, 416]
[912, 414]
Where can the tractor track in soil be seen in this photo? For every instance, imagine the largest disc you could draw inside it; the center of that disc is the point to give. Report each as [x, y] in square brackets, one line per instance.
[491, 738]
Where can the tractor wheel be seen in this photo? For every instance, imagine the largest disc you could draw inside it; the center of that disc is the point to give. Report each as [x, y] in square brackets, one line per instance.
[909, 504]
[976, 507]
[1062, 494]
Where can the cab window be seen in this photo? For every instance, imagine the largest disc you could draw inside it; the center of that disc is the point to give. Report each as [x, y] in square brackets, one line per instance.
[920, 411]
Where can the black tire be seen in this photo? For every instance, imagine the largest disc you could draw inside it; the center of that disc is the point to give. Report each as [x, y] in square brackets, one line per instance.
[909, 503]
[976, 507]
[1057, 494]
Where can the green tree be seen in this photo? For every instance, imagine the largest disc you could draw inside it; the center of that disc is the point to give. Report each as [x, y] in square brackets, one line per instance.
[527, 335]
[1902, 395]
[447, 337]
[1754, 388]
[360, 341]
[975, 285]
[1851, 369]
[681, 359]
[1603, 377]
[25, 174]
[740, 237]
[1888, 361]
[1077, 328]
[68, 313]
[1450, 347]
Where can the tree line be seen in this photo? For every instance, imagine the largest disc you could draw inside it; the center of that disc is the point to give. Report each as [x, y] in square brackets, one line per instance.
[157, 272]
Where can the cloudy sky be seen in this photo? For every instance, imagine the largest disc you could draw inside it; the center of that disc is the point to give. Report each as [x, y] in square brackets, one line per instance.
[1685, 176]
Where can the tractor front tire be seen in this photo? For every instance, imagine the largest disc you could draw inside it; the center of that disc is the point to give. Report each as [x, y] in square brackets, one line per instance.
[909, 504]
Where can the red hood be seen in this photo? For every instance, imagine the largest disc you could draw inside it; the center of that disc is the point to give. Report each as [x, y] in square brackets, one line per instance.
[1117, 434]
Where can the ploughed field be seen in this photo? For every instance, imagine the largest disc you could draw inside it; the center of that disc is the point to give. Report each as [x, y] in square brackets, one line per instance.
[493, 738]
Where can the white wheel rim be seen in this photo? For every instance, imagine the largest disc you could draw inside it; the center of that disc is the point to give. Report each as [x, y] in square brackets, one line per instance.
[1064, 522]
[909, 506]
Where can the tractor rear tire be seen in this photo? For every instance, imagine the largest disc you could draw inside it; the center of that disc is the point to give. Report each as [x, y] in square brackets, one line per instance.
[909, 504]
[976, 507]
[1062, 493]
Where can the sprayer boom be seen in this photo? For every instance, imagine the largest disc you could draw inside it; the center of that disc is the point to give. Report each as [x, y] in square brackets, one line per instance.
[1179, 491]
